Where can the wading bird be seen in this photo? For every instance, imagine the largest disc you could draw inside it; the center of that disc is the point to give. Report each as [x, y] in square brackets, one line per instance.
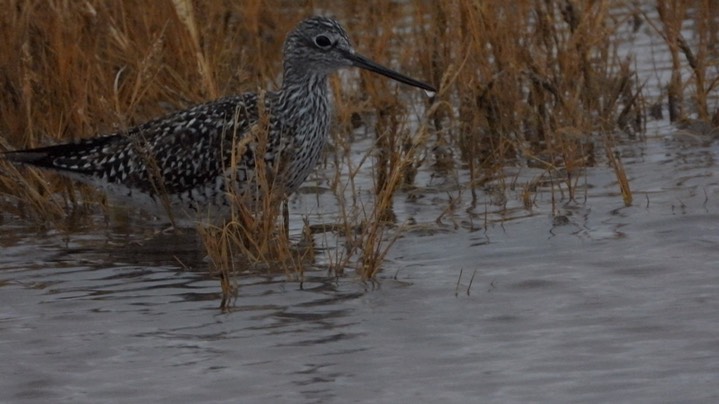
[188, 164]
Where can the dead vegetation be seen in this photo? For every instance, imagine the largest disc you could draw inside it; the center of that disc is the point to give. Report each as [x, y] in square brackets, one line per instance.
[535, 83]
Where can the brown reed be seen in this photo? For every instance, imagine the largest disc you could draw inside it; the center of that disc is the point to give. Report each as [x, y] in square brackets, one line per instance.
[527, 82]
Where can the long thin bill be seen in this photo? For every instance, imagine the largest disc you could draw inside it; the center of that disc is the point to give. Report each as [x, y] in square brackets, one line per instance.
[364, 63]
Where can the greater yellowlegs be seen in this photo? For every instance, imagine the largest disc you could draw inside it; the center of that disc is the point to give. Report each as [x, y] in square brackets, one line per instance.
[189, 161]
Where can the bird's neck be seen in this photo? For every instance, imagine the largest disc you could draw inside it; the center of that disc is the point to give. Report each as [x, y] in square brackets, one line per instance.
[303, 111]
[303, 94]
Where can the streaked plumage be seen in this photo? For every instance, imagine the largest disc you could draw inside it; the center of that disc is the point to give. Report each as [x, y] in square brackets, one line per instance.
[187, 155]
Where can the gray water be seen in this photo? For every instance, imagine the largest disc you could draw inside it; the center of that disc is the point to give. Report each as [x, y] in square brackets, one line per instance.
[611, 303]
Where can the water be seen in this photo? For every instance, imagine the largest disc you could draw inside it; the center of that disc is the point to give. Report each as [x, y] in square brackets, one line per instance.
[610, 303]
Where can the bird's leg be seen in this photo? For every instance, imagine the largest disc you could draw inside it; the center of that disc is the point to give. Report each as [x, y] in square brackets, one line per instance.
[286, 217]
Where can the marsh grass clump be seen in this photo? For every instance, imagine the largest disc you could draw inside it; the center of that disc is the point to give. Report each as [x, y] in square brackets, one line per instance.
[253, 232]
[697, 55]
[527, 83]
[367, 222]
[535, 83]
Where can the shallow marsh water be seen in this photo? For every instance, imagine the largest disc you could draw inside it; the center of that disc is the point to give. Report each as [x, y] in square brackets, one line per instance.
[610, 303]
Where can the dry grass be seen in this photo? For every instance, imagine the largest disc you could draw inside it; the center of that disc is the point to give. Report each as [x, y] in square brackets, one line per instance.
[699, 55]
[528, 82]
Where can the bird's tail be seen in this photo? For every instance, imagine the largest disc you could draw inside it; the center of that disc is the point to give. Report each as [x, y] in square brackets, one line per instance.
[40, 157]
[24, 156]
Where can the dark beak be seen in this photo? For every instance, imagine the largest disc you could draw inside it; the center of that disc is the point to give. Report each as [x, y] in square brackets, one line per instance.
[364, 63]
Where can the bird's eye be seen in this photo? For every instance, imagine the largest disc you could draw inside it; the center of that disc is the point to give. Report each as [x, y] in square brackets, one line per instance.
[322, 41]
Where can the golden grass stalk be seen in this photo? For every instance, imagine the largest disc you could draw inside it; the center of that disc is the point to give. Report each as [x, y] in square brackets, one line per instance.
[616, 163]
[186, 14]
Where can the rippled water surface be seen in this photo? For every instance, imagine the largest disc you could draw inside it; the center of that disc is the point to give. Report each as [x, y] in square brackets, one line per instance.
[609, 303]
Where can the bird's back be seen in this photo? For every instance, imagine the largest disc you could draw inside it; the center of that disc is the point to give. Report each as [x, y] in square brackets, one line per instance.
[183, 156]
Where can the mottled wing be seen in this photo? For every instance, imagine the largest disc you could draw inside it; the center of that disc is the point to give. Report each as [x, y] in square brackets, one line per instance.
[174, 154]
